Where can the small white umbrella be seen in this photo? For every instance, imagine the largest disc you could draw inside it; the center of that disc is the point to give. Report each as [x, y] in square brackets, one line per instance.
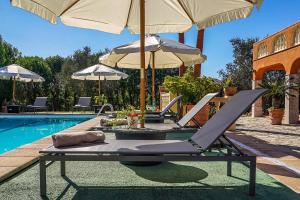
[99, 72]
[19, 73]
[160, 53]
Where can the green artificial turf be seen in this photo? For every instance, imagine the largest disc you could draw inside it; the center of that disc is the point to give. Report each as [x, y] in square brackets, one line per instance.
[171, 180]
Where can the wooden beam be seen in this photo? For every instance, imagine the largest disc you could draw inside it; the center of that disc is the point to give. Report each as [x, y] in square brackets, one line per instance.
[199, 45]
[182, 68]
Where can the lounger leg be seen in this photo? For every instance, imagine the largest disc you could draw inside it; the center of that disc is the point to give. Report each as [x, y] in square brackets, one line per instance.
[62, 168]
[252, 177]
[229, 163]
[43, 182]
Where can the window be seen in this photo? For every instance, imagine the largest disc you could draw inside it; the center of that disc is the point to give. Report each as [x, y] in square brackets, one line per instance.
[262, 50]
[297, 36]
[280, 43]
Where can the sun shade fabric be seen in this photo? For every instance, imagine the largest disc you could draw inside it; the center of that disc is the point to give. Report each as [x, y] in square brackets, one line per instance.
[97, 72]
[167, 54]
[142, 147]
[189, 116]
[161, 15]
[223, 119]
[20, 73]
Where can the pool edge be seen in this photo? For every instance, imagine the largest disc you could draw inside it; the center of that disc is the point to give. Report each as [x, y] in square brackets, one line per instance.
[18, 159]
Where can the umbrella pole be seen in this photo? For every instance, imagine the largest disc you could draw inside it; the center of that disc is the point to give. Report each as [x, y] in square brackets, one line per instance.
[14, 90]
[99, 87]
[153, 78]
[142, 76]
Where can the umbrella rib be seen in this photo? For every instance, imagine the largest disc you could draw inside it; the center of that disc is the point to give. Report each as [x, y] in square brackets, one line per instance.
[188, 14]
[41, 6]
[128, 13]
[70, 6]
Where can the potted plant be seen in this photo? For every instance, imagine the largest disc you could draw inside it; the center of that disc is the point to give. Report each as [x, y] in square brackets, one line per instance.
[4, 106]
[278, 88]
[229, 87]
[100, 100]
[192, 90]
[132, 117]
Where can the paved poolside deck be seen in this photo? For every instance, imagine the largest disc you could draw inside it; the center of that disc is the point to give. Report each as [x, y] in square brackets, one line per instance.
[277, 147]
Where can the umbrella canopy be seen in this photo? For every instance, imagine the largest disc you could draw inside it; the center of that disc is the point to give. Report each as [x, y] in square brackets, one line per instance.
[161, 15]
[160, 53]
[165, 53]
[99, 72]
[19, 73]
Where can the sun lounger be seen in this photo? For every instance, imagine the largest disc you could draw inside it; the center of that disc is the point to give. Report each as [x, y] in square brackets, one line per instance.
[83, 103]
[40, 103]
[187, 117]
[190, 115]
[210, 136]
[158, 117]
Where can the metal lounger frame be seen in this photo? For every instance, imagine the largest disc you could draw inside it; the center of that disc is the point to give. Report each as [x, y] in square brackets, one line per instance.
[229, 158]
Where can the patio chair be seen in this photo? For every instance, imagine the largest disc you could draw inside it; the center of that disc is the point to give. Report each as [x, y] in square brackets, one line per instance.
[39, 104]
[158, 117]
[210, 136]
[83, 103]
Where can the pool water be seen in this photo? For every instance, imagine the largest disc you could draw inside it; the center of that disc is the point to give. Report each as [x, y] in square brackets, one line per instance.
[16, 131]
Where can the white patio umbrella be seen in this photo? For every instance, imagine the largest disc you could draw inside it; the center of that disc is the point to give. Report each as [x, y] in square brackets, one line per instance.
[97, 73]
[161, 16]
[19, 73]
[160, 53]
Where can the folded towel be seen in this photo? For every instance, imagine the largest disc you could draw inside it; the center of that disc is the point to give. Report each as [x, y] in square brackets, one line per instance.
[69, 139]
[112, 122]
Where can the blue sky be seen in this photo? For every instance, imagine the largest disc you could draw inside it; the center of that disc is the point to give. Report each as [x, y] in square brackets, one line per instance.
[34, 36]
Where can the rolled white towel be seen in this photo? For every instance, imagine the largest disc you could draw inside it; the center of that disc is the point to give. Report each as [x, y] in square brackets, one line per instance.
[75, 138]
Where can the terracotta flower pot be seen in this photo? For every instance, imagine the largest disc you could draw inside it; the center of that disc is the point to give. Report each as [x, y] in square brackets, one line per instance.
[201, 117]
[230, 91]
[133, 120]
[276, 116]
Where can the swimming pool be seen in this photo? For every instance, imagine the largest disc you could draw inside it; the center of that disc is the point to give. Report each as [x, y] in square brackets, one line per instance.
[17, 130]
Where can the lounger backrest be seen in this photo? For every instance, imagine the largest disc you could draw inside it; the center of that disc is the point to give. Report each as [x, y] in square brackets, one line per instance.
[189, 115]
[168, 107]
[224, 118]
[40, 101]
[84, 101]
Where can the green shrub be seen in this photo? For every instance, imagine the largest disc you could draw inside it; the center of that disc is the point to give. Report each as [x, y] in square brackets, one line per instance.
[192, 89]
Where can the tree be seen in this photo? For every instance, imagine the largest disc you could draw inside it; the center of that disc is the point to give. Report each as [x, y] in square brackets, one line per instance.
[240, 70]
[28, 92]
[55, 63]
